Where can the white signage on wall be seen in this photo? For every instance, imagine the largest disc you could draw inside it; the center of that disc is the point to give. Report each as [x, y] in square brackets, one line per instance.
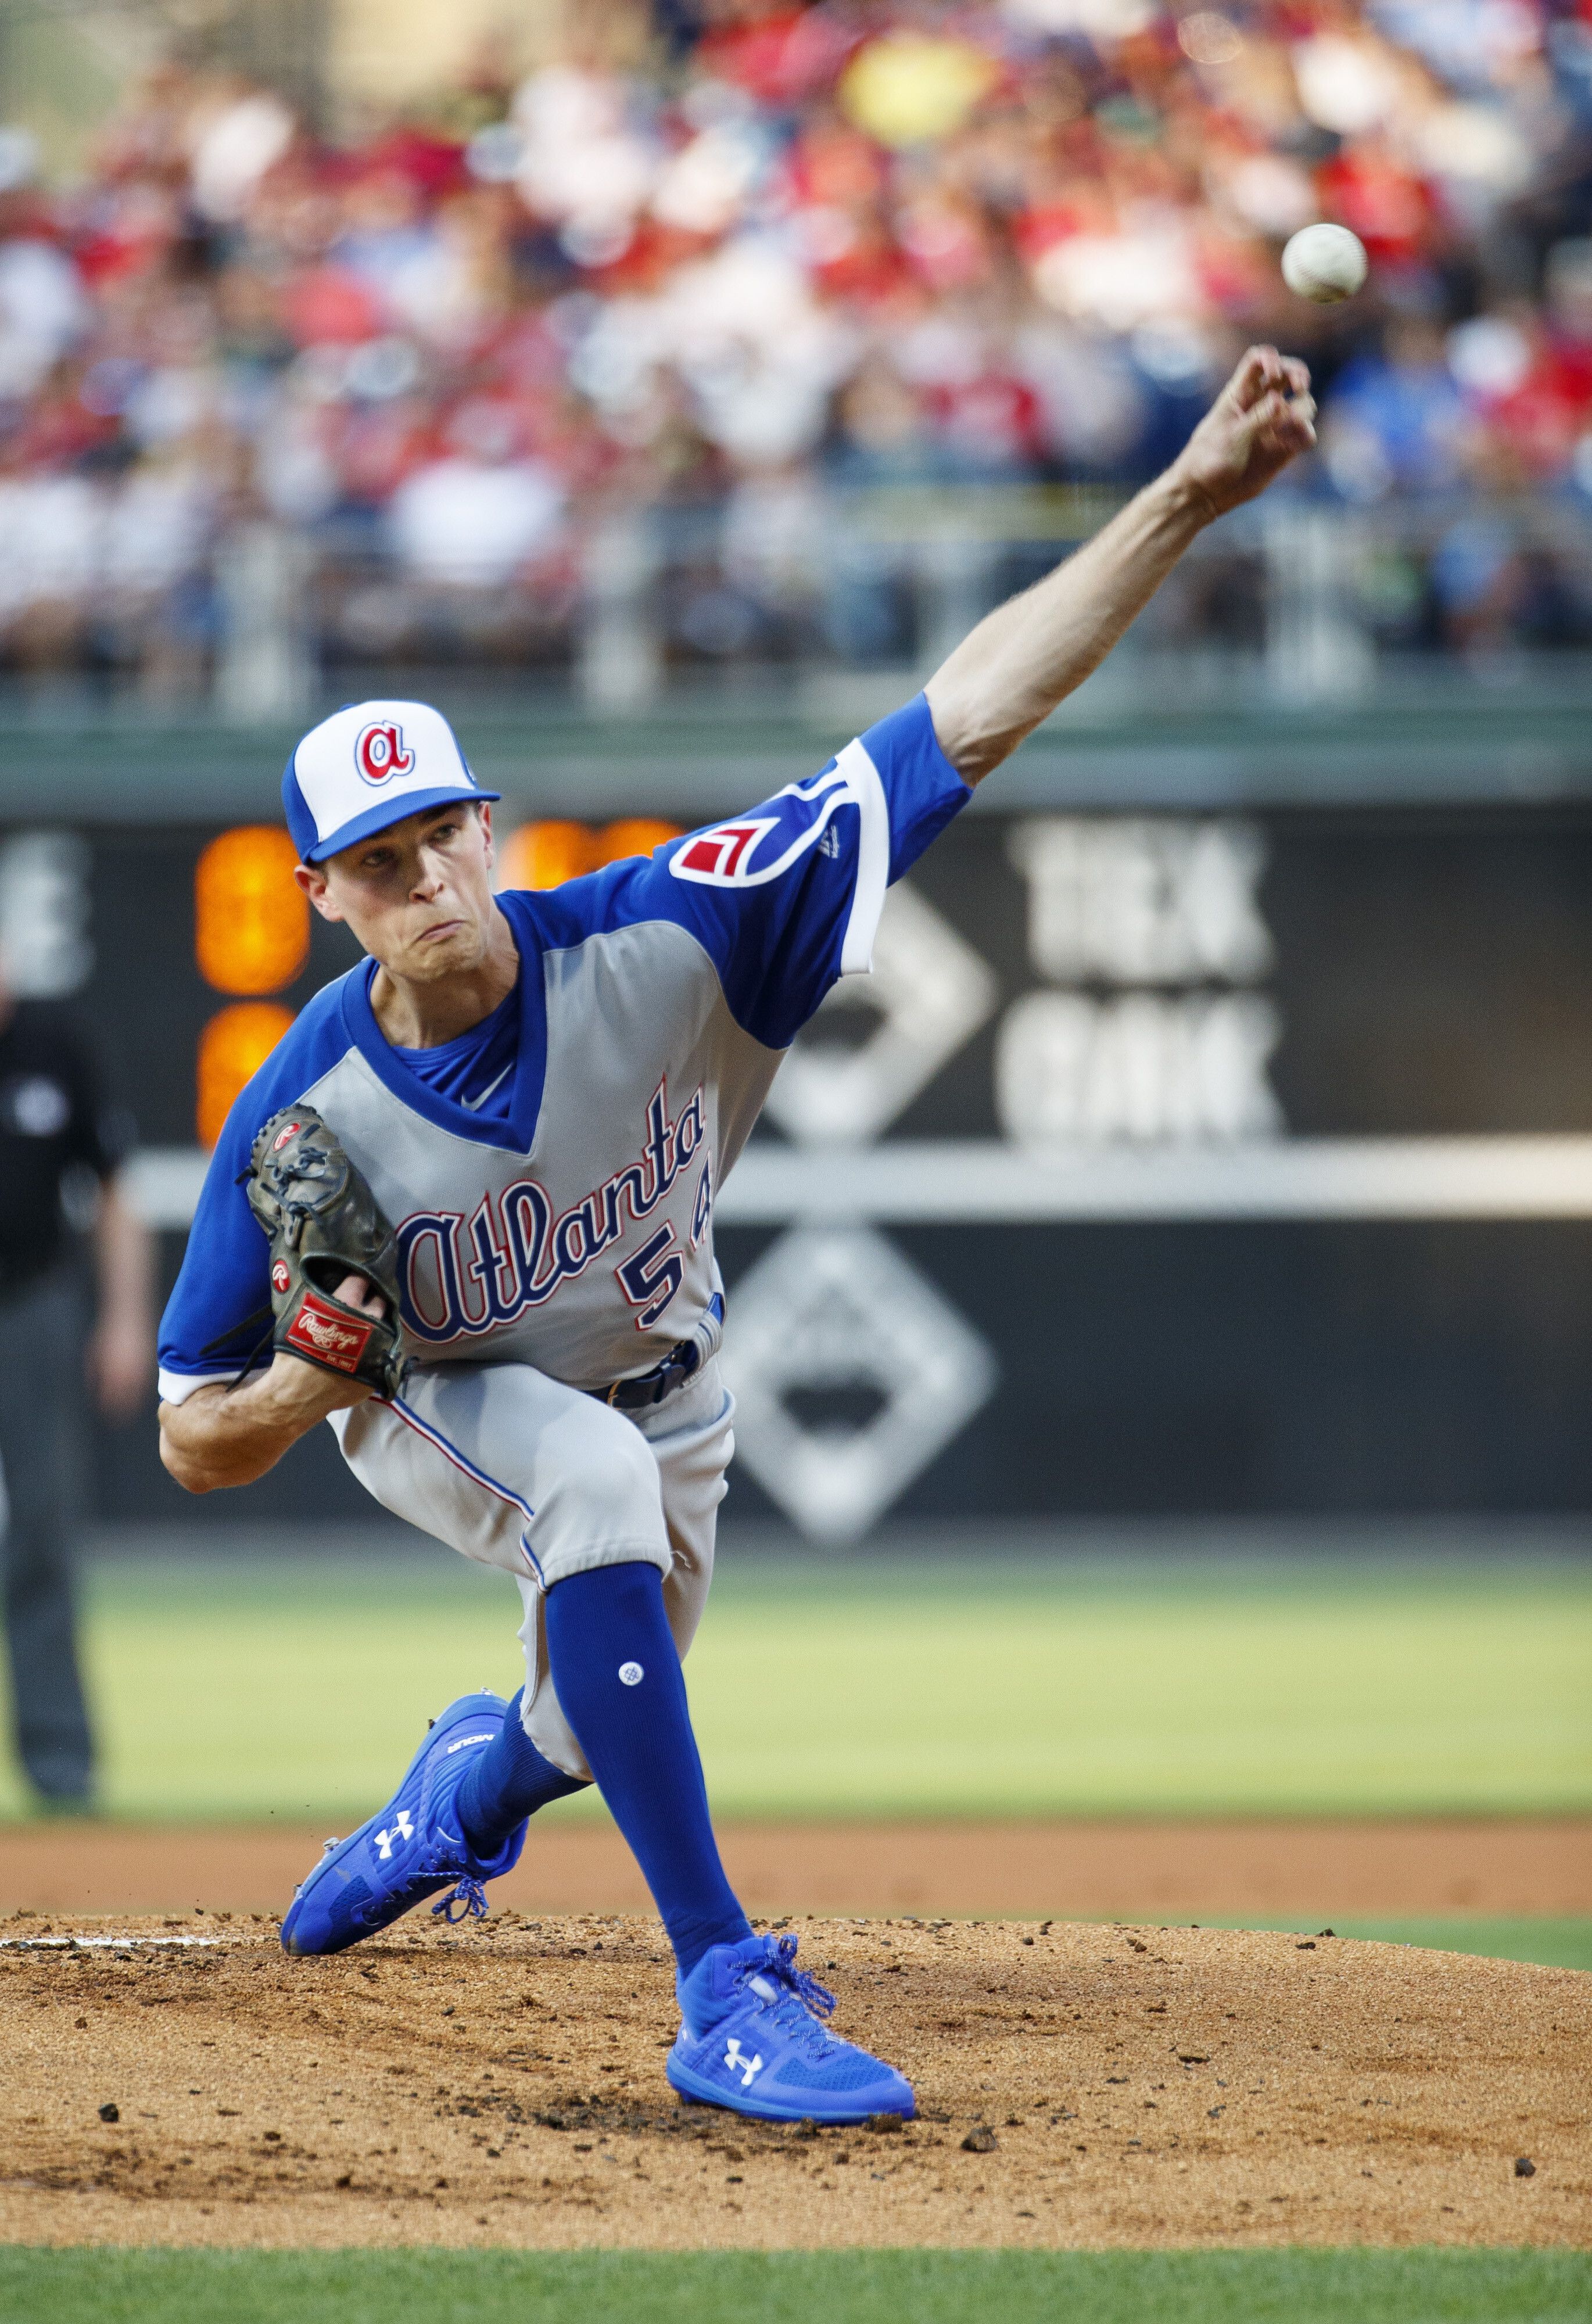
[930, 990]
[44, 907]
[832, 1312]
[1126, 900]
[1158, 1068]
[1153, 932]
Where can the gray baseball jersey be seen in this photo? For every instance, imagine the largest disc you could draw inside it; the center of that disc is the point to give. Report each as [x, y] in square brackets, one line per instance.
[655, 998]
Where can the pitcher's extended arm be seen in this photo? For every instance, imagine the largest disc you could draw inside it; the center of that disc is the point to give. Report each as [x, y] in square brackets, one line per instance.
[1030, 653]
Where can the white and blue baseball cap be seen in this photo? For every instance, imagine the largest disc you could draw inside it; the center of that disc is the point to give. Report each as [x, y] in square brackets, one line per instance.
[368, 765]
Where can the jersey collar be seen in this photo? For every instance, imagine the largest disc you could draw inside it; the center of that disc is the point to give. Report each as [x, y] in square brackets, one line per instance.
[518, 1134]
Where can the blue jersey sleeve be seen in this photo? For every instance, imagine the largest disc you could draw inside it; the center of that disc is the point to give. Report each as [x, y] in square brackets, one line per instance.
[225, 1276]
[787, 898]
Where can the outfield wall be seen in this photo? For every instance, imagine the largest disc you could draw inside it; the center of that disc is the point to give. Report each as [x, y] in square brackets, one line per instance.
[1215, 1135]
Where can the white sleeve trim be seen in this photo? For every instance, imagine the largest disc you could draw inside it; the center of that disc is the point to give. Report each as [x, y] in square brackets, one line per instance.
[873, 859]
[176, 1388]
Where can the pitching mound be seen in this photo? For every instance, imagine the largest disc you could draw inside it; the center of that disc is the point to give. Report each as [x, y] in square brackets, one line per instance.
[182, 2083]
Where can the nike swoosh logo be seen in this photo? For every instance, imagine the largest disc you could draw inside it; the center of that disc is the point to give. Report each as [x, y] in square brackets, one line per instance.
[474, 1104]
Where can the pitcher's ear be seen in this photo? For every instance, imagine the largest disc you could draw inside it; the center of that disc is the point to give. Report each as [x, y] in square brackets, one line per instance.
[312, 880]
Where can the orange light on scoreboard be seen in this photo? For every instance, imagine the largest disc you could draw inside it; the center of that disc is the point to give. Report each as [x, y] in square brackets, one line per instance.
[251, 919]
[546, 854]
[633, 835]
[233, 1048]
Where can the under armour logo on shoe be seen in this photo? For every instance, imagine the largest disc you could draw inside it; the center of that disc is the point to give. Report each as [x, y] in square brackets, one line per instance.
[747, 2067]
[402, 1829]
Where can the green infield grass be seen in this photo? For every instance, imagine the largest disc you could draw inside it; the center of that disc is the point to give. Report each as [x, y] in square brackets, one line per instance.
[1554, 1943]
[226, 1690]
[848, 2287]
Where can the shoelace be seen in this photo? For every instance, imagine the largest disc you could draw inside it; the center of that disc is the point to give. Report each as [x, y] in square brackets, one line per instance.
[470, 1897]
[801, 2002]
[781, 1966]
[432, 1864]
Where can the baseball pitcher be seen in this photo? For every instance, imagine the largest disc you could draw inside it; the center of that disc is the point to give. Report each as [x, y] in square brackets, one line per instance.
[464, 1213]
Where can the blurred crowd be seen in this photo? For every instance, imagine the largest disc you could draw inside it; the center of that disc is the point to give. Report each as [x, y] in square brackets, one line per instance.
[682, 305]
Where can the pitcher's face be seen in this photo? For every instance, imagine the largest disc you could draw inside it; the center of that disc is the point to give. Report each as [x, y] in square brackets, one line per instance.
[417, 895]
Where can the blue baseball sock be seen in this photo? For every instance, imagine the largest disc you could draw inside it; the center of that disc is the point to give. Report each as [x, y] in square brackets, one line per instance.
[509, 1782]
[619, 1686]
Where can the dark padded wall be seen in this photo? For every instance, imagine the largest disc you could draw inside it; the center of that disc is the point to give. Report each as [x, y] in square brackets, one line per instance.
[1432, 976]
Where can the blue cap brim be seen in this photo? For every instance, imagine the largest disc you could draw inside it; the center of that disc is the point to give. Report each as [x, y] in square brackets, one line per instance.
[391, 811]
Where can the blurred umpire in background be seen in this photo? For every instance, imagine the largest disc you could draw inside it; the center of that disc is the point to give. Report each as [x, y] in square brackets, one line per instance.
[59, 1156]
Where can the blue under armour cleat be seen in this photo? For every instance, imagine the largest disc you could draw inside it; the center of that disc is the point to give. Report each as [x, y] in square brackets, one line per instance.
[411, 1850]
[751, 2041]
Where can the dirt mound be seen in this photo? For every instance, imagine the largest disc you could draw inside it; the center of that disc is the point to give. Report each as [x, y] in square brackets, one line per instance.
[1078, 2086]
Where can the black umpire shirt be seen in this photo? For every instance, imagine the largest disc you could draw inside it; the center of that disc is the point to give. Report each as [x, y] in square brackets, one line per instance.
[53, 1127]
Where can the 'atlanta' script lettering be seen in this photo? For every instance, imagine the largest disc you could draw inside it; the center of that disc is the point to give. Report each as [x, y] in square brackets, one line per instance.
[463, 1275]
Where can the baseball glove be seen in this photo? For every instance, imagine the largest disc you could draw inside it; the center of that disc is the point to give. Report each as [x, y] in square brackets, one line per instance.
[324, 1222]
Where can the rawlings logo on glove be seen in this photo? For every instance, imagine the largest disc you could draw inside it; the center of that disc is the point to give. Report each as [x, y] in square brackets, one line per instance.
[316, 1330]
[324, 1225]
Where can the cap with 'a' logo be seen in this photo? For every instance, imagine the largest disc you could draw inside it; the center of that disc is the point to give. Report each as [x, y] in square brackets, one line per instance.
[368, 765]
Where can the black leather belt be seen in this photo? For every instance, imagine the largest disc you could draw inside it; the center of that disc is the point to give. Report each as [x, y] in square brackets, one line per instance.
[635, 1395]
[683, 1362]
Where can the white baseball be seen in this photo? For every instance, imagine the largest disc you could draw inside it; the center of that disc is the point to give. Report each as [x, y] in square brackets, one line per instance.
[1324, 264]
